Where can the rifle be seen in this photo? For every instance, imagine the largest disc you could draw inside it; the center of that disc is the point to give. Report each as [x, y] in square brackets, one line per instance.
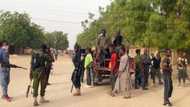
[16, 66]
[72, 88]
[30, 85]
[28, 89]
[8, 65]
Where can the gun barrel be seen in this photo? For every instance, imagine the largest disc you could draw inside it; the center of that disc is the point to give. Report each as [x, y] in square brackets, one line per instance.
[22, 68]
[15, 66]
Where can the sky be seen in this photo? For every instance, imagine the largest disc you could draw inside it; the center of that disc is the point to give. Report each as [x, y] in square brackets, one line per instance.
[57, 15]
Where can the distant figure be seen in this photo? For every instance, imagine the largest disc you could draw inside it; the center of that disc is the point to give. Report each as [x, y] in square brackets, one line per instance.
[182, 69]
[56, 54]
[167, 76]
[155, 69]
[145, 67]
[138, 69]
[123, 82]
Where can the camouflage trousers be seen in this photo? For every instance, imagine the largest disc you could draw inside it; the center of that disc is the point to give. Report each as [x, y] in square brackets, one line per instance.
[39, 79]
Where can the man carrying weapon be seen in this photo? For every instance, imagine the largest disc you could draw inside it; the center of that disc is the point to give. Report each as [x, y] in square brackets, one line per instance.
[77, 73]
[5, 70]
[39, 64]
[167, 77]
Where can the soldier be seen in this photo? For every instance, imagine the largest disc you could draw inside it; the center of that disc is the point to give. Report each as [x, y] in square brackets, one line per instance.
[145, 62]
[182, 68]
[138, 69]
[167, 76]
[38, 73]
[155, 69]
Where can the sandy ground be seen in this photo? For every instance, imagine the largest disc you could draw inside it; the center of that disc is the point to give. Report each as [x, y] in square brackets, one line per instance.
[59, 92]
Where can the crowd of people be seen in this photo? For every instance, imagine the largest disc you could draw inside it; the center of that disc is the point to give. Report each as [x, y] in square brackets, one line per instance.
[126, 72]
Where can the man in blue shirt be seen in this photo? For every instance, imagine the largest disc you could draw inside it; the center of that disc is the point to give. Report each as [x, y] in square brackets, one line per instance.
[4, 70]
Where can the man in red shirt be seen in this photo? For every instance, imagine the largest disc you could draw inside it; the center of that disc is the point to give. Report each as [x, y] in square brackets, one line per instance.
[114, 65]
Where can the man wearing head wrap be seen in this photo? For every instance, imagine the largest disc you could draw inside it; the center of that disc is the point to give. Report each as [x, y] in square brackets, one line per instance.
[102, 45]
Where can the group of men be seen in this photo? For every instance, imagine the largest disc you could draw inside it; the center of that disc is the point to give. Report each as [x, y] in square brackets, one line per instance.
[120, 64]
[41, 64]
[91, 59]
[147, 65]
[142, 67]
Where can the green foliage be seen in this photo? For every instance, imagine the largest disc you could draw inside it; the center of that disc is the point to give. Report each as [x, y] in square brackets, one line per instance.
[57, 40]
[17, 29]
[152, 23]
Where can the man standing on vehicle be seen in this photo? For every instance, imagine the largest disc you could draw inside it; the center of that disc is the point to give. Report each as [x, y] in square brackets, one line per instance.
[102, 43]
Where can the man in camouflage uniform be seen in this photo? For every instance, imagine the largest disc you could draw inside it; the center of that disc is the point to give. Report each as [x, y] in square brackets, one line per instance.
[138, 69]
[38, 73]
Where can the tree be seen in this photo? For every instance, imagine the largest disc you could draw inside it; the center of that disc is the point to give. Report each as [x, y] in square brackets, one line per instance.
[19, 31]
[57, 40]
[152, 23]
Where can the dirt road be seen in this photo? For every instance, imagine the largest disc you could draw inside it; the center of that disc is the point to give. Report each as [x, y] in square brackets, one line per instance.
[59, 92]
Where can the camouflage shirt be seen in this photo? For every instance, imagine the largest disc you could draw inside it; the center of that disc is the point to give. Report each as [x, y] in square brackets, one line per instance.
[40, 60]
